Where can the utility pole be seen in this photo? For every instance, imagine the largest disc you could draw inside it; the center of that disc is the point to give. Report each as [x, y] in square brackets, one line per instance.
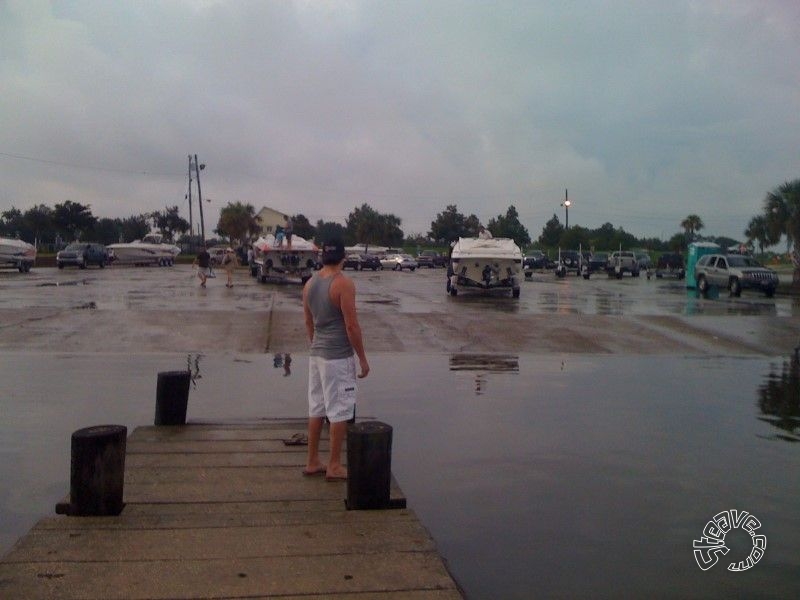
[189, 196]
[197, 168]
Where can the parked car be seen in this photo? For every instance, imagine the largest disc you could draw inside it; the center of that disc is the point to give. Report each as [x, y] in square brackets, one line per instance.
[536, 259]
[217, 254]
[670, 265]
[431, 259]
[360, 262]
[568, 260]
[598, 261]
[644, 260]
[398, 262]
[734, 272]
[83, 254]
[620, 262]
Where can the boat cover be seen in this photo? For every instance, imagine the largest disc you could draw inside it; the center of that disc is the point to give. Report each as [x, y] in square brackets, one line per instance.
[494, 247]
[267, 243]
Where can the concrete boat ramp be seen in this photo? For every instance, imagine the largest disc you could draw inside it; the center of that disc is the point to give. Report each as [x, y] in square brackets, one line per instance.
[222, 511]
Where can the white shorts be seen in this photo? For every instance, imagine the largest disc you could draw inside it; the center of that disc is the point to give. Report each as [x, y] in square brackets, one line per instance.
[332, 388]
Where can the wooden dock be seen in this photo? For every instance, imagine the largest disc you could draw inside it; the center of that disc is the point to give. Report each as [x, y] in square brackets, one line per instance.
[222, 511]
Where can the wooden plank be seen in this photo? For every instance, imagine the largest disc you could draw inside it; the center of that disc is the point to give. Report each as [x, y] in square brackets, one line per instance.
[221, 578]
[203, 543]
[222, 511]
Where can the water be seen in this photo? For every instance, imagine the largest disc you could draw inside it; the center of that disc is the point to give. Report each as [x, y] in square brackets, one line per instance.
[553, 476]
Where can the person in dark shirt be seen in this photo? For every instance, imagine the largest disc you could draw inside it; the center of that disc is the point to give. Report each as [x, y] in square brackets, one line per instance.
[203, 263]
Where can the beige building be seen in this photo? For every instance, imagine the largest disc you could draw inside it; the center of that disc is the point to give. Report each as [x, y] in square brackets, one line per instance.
[269, 219]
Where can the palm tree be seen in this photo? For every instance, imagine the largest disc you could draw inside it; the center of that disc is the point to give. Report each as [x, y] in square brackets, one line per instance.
[757, 231]
[782, 213]
[691, 225]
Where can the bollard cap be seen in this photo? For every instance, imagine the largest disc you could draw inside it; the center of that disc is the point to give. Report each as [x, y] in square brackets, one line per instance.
[100, 431]
[370, 427]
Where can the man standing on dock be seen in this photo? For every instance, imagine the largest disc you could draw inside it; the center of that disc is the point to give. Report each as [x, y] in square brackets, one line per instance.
[329, 304]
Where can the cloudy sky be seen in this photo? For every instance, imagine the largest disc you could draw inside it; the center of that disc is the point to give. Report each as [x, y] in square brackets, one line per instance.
[646, 111]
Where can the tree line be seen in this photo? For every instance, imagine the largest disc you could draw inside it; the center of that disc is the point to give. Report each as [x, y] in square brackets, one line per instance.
[238, 224]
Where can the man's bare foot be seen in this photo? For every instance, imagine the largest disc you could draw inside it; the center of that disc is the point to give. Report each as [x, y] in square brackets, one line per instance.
[318, 469]
[336, 474]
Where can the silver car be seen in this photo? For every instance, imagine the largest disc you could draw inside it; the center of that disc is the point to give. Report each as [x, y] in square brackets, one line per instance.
[398, 262]
[734, 272]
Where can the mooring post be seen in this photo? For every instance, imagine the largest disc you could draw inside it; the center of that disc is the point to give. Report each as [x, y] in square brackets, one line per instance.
[369, 466]
[172, 397]
[97, 472]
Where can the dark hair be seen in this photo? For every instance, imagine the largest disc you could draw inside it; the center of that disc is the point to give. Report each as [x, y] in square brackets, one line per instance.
[332, 251]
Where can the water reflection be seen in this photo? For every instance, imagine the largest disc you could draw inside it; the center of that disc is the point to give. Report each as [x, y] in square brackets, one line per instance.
[779, 399]
[283, 360]
[483, 364]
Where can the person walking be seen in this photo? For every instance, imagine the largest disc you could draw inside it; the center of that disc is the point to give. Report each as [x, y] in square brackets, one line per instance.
[203, 263]
[229, 264]
[329, 306]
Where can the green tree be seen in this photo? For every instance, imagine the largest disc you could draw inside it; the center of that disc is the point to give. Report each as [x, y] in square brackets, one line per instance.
[39, 221]
[757, 231]
[509, 226]
[12, 223]
[678, 242]
[134, 228]
[782, 212]
[551, 233]
[168, 222]
[107, 231]
[238, 222]
[366, 225]
[451, 225]
[328, 230]
[575, 237]
[72, 219]
[691, 225]
[303, 227]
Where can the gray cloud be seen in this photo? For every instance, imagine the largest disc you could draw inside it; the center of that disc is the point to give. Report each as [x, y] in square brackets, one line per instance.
[646, 112]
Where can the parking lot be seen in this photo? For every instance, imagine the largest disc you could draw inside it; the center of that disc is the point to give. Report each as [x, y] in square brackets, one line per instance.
[154, 309]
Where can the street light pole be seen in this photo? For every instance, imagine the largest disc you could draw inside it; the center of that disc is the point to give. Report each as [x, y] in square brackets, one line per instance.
[189, 197]
[566, 204]
[197, 168]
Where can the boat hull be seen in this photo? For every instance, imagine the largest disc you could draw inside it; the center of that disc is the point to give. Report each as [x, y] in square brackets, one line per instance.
[17, 254]
[494, 264]
[144, 254]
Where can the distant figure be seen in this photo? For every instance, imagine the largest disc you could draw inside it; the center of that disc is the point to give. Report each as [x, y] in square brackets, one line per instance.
[288, 227]
[250, 256]
[278, 236]
[484, 234]
[203, 263]
[229, 264]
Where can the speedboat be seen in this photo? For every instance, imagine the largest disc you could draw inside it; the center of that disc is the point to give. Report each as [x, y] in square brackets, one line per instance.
[487, 264]
[150, 250]
[17, 254]
[275, 260]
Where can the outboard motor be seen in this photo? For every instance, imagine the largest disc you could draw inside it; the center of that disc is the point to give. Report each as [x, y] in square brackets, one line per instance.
[486, 274]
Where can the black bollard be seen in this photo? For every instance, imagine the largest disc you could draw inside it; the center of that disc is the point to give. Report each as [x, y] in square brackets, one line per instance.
[369, 466]
[172, 397]
[97, 472]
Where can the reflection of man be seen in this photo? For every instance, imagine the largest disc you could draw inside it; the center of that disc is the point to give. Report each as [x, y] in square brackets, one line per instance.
[287, 365]
[329, 304]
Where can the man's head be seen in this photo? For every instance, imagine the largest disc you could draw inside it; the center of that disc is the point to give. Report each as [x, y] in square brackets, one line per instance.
[332, 251]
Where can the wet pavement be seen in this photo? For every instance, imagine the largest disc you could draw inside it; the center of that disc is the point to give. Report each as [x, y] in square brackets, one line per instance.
[569, 444]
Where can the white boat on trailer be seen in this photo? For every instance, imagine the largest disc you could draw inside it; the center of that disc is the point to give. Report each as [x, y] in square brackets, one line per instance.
[150, 250]
[17, 254]
[281, 264]
[486, 264]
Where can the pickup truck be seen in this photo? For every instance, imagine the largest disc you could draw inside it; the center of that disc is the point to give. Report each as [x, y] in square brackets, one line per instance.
[622, 261]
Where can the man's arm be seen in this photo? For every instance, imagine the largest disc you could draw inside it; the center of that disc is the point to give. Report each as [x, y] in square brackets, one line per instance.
[307, 311]
[345, 290]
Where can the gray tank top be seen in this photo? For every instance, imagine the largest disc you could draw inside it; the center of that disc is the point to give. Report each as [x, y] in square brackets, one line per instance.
[330, 335]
